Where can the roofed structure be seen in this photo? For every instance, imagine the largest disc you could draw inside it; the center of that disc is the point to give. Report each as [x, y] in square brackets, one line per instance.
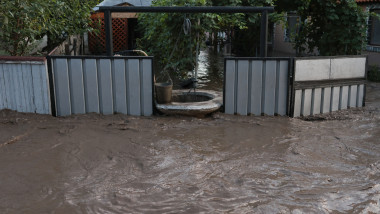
[120, 2]
[367, 1]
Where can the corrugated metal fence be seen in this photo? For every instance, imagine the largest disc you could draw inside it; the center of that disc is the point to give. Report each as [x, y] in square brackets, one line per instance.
[256, 86]
[327, 84]
[24, 86]
[104, 85]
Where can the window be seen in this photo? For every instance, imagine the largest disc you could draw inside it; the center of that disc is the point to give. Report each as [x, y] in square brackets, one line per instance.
[292, 27]
[374, 29]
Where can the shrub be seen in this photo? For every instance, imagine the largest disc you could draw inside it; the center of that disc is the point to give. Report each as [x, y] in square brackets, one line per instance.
[374, 73]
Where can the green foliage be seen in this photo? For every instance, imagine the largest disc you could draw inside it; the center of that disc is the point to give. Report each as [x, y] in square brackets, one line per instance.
[161, 31]
[374, 73]
[164, 37]
[25, 21]
[332, 27]
[247, 39]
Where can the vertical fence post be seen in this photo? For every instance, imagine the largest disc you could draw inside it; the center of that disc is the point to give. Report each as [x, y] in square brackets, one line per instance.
[51, 86]
[264, 34]
[108, 27]
[291, 91]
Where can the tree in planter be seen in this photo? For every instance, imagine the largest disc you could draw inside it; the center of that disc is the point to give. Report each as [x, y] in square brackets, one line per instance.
[332, 27]
[26, 21]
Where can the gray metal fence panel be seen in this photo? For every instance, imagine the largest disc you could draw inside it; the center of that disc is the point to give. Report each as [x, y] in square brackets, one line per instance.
[3, 95]
[24, 86]
[104, 85]
[360, 96]
[76, 87]
[326, 100]
[120, 95]
[339, 86]
[353, 95]
[41, 92]
[242, 87]
[306, 98]
[256, 86]
[316, 101]
[90, 77]
[297, 103]
[282, 82]
[343, 104]
[230, 85]
[147, 87]
[335, 98]
[62, 87]
[269, 93]
[134, 93]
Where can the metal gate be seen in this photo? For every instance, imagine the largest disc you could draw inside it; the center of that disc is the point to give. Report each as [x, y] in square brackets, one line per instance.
[257, 86]
[106, 85]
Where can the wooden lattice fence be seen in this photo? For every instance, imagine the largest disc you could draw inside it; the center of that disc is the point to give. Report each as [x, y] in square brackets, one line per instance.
[97, 41]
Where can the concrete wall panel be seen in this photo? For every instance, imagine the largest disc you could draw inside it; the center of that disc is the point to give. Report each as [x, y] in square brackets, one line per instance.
[312, 70]
[347, 68]
[328, 70]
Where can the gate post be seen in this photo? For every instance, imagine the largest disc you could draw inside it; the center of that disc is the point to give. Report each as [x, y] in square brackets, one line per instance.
[264, 34]
[51, 86]
[108, 27]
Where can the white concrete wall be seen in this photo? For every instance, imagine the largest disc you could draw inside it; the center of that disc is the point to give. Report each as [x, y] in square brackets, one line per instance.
[319, 100]
[329, 68]
[24, 86]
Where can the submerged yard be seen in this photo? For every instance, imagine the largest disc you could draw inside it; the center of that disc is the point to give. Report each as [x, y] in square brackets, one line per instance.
[220, 164]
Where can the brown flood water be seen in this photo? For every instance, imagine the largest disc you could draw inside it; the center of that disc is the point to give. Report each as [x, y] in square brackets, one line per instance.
[221, 164]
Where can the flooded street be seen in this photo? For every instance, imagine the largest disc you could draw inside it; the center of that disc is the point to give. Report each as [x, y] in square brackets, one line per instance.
[220, 164]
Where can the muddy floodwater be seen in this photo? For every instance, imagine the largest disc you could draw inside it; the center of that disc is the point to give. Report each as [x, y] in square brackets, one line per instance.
[219, 164]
